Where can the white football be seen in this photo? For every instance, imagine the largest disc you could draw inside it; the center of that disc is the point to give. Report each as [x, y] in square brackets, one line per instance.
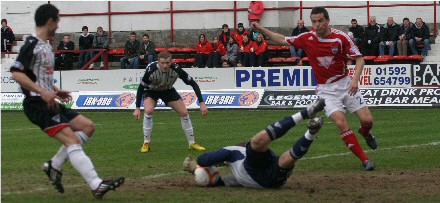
[206, 176]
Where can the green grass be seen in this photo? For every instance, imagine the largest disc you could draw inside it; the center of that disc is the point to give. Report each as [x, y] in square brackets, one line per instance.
[407, 160]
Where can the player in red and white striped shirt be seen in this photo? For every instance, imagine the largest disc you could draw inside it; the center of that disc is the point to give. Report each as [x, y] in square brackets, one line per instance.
[328, 50]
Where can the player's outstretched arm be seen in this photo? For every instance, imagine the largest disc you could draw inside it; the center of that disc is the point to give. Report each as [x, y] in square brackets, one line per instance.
[278, 38]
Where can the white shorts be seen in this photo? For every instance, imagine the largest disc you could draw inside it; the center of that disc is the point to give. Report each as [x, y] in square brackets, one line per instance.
[336, 96]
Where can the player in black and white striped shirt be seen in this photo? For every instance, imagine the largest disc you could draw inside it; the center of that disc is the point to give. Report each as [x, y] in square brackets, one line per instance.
[33, 70]
[157, 83]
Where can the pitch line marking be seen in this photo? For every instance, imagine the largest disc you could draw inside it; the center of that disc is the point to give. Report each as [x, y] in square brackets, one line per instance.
[42, 189]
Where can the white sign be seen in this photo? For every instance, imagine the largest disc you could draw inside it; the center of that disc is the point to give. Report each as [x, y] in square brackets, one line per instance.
[10, 85]
[384, 75]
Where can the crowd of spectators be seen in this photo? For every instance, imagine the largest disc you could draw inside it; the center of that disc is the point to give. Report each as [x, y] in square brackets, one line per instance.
[376, 39]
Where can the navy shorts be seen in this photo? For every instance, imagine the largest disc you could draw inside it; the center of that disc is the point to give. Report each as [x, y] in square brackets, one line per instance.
[50, 121]
[167, 96]
[263, 167]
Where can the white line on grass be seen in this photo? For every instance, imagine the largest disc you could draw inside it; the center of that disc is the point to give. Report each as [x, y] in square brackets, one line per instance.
[177, 172]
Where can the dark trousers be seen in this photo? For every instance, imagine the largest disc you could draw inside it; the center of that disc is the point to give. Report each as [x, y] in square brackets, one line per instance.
[370, 49]
[214, 60]
[201, 60]
[244, 58]
[257, 60]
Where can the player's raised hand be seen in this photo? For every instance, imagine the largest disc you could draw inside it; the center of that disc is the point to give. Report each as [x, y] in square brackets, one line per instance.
[203, 109]
[137, 113]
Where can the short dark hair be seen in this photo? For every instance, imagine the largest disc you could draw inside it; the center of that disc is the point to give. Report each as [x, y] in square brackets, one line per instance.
[318, 10]
[146, 35]
[225, 25]
[84, 28]
[66, 35]
[4, 20]
[132, 33]
[353, 20]
[44, 13]
[405, 19]
[164, 55]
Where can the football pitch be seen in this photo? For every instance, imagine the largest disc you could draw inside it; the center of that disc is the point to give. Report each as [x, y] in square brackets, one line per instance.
[407, 160]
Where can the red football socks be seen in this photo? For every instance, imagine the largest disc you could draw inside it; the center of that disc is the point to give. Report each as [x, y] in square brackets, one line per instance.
[352, 143]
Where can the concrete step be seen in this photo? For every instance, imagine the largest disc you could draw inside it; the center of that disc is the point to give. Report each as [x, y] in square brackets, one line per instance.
[15, 48]
[18, 43]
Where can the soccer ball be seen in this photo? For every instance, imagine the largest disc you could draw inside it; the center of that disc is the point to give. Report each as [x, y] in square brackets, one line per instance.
[206, 176]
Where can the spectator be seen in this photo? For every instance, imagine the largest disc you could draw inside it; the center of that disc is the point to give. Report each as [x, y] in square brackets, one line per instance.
[147, 50]
[358, 32]
[7, 36]
[402, 43]
[419, 35]
[218, 51]
[259, 50]
[85, 42]
[225, 35]
[297, 31]
[372, 36]
[239, 64]
[389, 37]
[253, 34]
[244, 52]
[101, 41]
[131, 53]
[225, 64]
[204, 50]
[255, 10]
[240, 33]
[231, 52]
[65, 57]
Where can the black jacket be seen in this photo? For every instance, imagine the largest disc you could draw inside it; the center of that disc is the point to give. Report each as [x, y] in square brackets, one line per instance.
[85, 42]
[147, 49]
[7, 36]
[405, 30]
[391, 32]
[373, 33]
[296, 31]
[358, 31]
[66, 56]
[131, 48]
[422, 31]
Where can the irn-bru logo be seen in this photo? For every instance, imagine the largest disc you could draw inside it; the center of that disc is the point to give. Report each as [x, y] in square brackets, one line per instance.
[188, 98]
[248, 98]
[125, 99]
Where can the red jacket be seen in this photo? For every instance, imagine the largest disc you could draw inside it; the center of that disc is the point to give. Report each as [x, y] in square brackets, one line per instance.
[247, 47]
[239, 37]
[261, 48]
[205, 47]
[258, 8]
[220, 48]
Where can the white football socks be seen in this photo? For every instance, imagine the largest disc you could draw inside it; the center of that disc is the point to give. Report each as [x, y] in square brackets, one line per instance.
[82, 163]
[188, 129]
[148, 127]
[310, 136]
[297, 118]
[61, 156]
